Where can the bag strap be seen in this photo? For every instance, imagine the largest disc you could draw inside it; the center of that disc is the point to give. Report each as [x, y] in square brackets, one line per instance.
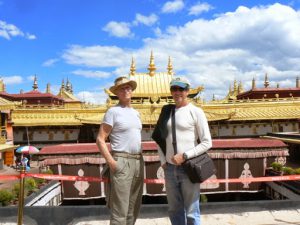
[173, 126]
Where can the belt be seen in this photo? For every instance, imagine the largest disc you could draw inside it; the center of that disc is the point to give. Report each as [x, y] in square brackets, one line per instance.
[127, 155]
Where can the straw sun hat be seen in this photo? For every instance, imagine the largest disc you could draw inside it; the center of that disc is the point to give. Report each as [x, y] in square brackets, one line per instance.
[120, 81]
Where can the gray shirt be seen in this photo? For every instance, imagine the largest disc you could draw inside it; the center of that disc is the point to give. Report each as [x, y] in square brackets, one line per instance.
[126, 129]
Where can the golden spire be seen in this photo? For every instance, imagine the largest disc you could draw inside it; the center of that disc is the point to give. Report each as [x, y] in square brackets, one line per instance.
[235, 86]
[62, 85]
[68, 85]
[132, 67]
[240, 88]
[151, 67]
[35, 85]
[2, 86]
[170, 67]
[253, 83]
[48, 90]
[266, 81]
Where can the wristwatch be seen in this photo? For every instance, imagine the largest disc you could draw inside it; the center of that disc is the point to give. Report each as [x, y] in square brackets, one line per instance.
[185, 156]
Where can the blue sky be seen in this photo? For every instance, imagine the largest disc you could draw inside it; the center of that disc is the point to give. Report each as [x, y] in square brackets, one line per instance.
[92, 42]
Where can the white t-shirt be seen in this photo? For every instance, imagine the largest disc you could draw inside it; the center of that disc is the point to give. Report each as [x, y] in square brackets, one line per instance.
[126, 129]
[191, 125]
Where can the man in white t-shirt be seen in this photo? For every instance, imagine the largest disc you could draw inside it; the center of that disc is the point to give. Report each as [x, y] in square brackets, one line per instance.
[191, 125]
[122, 124]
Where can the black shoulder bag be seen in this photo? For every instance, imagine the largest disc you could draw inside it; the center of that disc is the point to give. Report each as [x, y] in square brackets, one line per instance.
[199, 168]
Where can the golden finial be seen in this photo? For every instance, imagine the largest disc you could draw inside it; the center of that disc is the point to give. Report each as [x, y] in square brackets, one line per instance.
[266, 81]
[35, 85]
[68, 85]
[2, 86]
[62, 85]
[170, 67]
[151, 67]
[235, 86]
[240, 88]
[253, 83]
[48, 90]
[132, 67]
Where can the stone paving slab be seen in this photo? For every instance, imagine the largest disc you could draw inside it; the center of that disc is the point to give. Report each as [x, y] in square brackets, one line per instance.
[284, 217]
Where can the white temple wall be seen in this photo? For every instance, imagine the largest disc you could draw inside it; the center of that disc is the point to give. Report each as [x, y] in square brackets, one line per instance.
[251, 129]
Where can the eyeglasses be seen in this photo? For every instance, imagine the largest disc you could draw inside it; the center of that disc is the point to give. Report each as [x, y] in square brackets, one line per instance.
[125, 88]
[173, 89]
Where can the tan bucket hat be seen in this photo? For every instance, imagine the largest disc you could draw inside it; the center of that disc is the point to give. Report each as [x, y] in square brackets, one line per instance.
[120, 81]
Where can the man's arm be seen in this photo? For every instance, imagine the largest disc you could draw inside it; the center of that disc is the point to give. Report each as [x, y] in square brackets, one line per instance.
[103, 133]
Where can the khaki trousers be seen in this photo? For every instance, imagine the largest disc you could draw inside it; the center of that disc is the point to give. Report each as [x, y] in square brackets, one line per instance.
[126, 189]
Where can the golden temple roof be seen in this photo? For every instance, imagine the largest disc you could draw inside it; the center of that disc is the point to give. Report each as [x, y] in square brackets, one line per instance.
[153, 84]
[151, 94]
[254, 110]
[7, 105]
[156, 85]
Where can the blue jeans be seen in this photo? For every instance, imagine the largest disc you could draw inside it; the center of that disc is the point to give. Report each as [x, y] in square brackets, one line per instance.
[183, 197]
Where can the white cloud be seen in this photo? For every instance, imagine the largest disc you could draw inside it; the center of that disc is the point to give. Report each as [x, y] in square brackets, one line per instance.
[96, 56]
[8, 31]
[12, 80]
[49, 62]
[118, 29]
[173, 6]
[146, 20]
[232, 46]
[199, 8]
[31, 78]
[238, 45]
[30, 36]
[92, 97]
[91, 74]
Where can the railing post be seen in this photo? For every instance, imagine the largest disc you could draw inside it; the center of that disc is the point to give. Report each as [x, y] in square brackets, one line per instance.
[21, 194]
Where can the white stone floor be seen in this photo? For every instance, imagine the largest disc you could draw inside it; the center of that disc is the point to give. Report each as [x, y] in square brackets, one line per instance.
[290, 217]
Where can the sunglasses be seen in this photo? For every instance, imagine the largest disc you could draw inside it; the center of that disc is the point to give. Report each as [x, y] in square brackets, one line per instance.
[173, 89]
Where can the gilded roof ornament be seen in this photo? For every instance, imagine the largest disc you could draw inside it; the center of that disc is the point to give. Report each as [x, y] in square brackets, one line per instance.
[170, 67]
[2, 86]
[253, 83]
[48, 90]
[68, 85]
[266, 81]
[240, 88]
[213, 97]
[132, 67]
[151, 67]
[62, 85]
[35, 85]
[235, 86]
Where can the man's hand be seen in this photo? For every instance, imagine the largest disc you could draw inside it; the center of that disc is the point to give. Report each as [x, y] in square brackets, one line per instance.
[112, 165]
